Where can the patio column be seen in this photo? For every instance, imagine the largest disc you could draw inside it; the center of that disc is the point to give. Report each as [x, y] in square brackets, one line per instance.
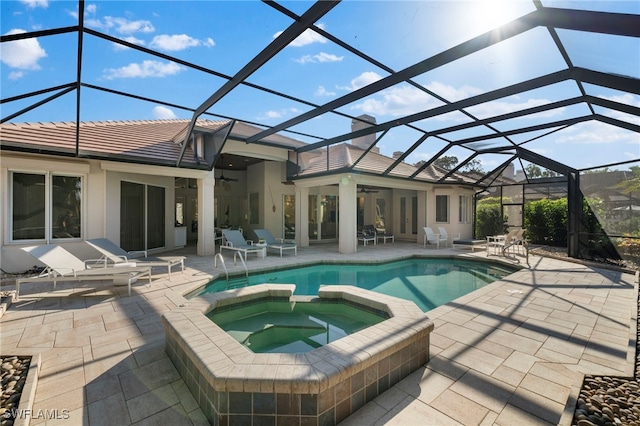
[347, 210]
[206, 216]
[423, 216]
[302, 216]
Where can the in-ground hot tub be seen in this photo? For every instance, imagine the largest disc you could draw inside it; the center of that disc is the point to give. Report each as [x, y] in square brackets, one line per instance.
[322, 386]
[293, 326]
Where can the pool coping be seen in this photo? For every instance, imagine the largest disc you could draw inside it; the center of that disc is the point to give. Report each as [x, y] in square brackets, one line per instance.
[323, 386]
[189, 293]
[228, 361]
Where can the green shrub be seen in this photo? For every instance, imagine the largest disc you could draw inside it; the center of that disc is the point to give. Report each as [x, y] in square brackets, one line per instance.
[546, 222]
[488, 217]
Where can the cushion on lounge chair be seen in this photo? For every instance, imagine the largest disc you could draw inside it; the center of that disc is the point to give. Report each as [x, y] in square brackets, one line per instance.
[469, 243]
[234, 241]
[111, 252]
[275, 243]
[60, 265]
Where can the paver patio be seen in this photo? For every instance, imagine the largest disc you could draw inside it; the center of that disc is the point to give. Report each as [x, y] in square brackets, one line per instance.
[513, 352]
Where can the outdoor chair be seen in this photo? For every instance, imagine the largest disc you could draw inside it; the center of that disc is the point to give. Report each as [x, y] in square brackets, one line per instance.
[445, 236]
[499, 244]
[518, 239]
[234, 241]
[366, 236]
[113, 254]
[275, 243]
[380, 233]
[60, 265]
[431, 237]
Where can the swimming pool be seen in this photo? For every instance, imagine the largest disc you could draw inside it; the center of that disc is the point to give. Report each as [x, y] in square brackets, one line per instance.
[429, 282]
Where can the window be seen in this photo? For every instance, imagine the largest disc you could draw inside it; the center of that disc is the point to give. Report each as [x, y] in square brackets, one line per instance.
[290, 216]
[464, 210]
[45, 206]
[442, 208]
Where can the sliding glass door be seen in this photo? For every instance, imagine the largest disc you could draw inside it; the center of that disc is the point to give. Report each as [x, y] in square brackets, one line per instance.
[142, 216]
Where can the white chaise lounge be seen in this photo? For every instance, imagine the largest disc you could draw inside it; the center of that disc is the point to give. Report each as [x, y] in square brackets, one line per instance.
[113, 254]
[60, 265]
[274, 243]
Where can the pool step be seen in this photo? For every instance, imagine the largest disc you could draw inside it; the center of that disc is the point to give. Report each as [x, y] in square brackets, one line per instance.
[237, 282]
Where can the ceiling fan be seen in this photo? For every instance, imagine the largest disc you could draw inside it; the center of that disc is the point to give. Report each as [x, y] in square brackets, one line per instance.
[222, 177]
[364, 190]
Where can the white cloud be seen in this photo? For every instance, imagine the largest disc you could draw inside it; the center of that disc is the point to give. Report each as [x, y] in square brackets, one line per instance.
[307, 37]
[32, 4]
[406, 100]
[90, 9]
[627, 99]
[121, 25]
[321, 91]
[397, 101]
[595, 132]
[163, 113]
[130, 39]
[22, 54]
[320, 57]
[143, 70]
[273, 114]
[304, 59]
[631, 155]
[362, 80]
[491, 109]
[178, 42]
[15, 75]
[451, 93]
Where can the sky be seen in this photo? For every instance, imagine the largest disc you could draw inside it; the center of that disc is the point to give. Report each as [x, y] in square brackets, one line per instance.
[225, 35]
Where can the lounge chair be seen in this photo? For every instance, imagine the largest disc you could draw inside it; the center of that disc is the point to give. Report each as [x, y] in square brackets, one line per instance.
[380, 233]
[274, 243]
[60, 265]
[518, 239]
[445, 236]
[113, 254]
[431, 237]
[472, 244]
[234, 241]
[366, 236]
[499, 244]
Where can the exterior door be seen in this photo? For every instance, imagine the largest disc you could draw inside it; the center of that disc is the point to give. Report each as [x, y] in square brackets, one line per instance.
[407, 218]
[142, 216]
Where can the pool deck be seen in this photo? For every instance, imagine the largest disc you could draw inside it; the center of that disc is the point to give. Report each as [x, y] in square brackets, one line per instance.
[513, 352]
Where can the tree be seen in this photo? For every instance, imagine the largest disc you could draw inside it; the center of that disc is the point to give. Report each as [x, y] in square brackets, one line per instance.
[473, 166]
[446, 162]
[631, 185]
[549, 173]
[533, 171]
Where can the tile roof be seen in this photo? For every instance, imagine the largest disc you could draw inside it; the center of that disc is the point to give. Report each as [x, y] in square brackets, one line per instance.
[145, 141]
[158, 142]
[344, 156]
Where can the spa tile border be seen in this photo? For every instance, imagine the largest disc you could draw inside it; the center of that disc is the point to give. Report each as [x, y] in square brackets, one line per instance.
[323, 386]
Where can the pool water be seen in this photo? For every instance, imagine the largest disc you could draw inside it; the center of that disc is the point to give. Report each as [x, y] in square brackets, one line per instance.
[427, 282]
[292, 327]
